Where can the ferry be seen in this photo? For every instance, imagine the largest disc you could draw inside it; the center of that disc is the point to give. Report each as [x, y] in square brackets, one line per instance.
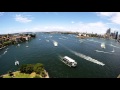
[69, 61]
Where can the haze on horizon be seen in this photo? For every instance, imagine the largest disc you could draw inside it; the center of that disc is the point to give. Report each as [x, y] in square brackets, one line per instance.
[96, 22]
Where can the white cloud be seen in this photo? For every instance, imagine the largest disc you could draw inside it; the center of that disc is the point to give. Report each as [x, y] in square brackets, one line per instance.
[114, 17]
[105, 13]
[22, 19]
[72, 22]
[96, 27]
[1, 13]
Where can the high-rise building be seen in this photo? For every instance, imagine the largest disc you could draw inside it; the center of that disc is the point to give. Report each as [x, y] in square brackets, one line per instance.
[116, 35]
[108, 32]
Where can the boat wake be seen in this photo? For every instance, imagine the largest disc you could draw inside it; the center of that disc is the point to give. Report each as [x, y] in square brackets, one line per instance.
[104, 52]
[93, 41]
[114, 46]
[60, 57]
[88, 58]
[113, 50]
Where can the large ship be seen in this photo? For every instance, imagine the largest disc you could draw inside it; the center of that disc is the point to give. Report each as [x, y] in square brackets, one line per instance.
[69, 61]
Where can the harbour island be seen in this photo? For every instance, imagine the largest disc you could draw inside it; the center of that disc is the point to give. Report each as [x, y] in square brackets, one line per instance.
[28, 71]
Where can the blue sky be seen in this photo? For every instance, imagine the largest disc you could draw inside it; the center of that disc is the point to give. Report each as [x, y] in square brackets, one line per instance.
[96, 22]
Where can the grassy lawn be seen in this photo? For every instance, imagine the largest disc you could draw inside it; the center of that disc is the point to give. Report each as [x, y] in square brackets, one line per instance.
[17, 74]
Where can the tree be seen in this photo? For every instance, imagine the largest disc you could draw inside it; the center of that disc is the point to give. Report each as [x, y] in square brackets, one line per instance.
[28, 68]
[23, 68]
[38, 68]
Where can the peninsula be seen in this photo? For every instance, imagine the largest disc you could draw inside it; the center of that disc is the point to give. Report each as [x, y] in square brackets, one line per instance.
[28, 71]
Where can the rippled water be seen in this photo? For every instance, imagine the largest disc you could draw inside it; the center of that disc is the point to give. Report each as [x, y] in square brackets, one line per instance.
[92, 60]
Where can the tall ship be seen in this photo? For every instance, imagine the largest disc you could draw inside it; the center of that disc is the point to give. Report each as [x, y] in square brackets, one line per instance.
[69, 61]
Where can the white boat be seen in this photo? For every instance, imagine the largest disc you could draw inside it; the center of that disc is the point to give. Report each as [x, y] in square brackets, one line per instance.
[103, 45]
[16, 62]
[27, 46]
[69, 61]
[18, 45]
[55, 43]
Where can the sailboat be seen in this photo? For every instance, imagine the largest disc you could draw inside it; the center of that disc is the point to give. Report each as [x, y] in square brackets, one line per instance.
[103, 45]
[16, 62]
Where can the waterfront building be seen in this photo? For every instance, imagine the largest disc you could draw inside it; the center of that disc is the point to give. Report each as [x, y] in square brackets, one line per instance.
[116, 35]
[108, 32]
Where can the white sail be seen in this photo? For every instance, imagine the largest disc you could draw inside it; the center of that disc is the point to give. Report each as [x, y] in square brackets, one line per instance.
[16, 62]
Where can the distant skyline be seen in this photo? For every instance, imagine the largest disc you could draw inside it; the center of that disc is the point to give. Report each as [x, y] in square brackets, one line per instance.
[96, 22]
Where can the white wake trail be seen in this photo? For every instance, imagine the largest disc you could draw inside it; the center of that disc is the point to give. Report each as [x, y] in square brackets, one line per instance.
[114, 46]
[103, 51]
[88, 58]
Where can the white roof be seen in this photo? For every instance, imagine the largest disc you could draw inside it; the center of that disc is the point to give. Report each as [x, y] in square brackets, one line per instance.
[70, 59]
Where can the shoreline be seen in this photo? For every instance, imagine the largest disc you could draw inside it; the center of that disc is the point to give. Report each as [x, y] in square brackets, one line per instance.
[3, 76]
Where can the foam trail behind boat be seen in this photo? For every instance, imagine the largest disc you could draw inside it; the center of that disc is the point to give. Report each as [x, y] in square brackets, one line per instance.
[88, 58]
[60, 57]
[103, 52]
[114, 46]
[4, 52]
[93, 41]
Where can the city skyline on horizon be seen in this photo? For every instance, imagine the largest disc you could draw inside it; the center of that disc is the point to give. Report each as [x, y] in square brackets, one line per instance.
[96, 22]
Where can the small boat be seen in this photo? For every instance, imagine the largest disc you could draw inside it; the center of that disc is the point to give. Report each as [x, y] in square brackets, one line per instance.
[103, 45]
[27, 46]
[69, 61]
[55, 43]
[18, 45]
[16, 63]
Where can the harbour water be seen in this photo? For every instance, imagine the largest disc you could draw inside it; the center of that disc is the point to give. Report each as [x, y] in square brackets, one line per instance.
[92, 60]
